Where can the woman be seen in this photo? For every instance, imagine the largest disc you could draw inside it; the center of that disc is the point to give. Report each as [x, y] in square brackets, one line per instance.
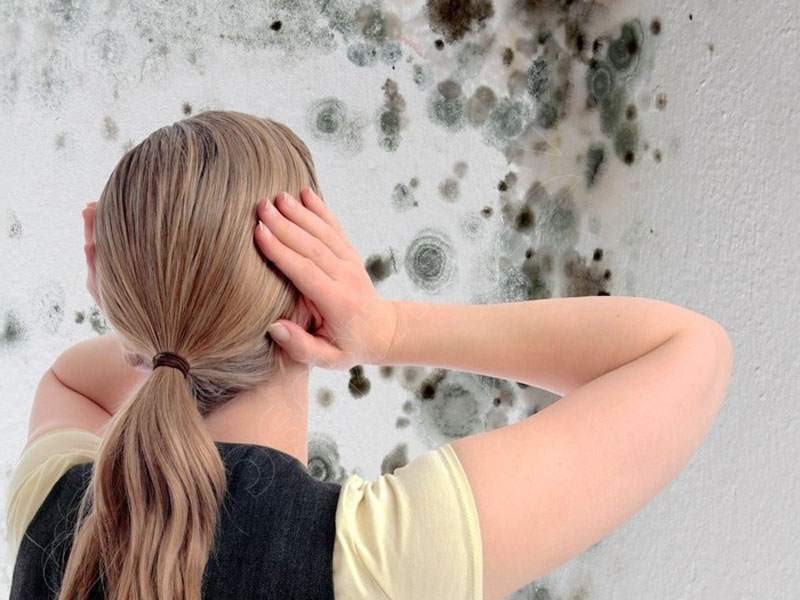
[167, 460]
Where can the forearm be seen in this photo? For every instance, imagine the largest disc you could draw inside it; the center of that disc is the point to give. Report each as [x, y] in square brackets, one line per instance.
[96, 368]
[556, 344]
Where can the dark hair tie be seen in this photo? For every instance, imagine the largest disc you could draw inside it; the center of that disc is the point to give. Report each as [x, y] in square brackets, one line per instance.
[169, 359]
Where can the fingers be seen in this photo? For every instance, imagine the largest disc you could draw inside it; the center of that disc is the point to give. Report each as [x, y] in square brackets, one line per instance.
[294, 237]
[302, 346]
[309, 278]
[315, 204]
[315, 225]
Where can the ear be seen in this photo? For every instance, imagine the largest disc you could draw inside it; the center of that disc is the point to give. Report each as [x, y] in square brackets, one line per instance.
[307, 315]
[89, 249]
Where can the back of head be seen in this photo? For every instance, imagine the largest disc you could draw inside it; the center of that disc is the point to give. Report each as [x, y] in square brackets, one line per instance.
[178, 271]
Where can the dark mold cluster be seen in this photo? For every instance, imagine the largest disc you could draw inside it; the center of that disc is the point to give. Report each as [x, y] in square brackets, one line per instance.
[391, 116]
[430, 260]
[454, 18]
[323, 459]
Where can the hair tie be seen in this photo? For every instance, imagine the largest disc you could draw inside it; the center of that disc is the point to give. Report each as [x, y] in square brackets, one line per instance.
[169, 359]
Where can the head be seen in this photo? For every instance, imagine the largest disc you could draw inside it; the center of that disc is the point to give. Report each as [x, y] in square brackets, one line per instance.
[176, 269]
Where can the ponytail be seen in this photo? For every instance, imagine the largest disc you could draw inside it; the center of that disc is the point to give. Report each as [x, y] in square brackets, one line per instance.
[147, 522]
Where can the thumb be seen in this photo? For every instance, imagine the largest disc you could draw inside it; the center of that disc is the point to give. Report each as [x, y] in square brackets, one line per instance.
[302, 346]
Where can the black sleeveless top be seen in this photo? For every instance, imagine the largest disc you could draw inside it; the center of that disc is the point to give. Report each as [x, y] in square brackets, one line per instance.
[274, 538]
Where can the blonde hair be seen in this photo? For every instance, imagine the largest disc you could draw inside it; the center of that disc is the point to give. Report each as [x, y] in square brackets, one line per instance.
[177, 270]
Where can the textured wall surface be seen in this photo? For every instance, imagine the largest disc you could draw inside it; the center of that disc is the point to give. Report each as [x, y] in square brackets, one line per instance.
[510, 150]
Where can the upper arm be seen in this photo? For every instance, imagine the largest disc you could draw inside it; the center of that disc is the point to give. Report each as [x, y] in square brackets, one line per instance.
[55, 405]
[550, 486]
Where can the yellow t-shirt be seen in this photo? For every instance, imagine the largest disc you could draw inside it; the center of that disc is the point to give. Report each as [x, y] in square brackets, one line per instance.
[413, 533]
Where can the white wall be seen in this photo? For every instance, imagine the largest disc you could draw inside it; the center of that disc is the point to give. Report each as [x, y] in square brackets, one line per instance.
[712, 226]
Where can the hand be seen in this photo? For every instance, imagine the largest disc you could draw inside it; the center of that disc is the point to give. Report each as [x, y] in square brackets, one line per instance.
[305, 242]
[89, 248]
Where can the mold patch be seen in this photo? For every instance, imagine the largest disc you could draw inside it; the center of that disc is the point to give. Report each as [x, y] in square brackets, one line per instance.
[395, 459]
[359, 385]
[430, 260]
[391, 117]
[454, 18]
[329, 119]
[379, 267]
[323, 459]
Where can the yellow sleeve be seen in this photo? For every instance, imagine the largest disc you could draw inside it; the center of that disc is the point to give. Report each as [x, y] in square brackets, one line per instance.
[40, 465]
[410, 534]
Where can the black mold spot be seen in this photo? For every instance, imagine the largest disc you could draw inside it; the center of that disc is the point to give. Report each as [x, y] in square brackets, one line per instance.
[275, 26]
[626, 142]
[446, 104]
[525, 219]
[455, 410]
[386, 371]
[480, 104]
[598, 254]
[413, 182]
[395, 459]
[486, 211]
[657, 155]
[13, 330]
[448, 189]
[79, 316]
[430, 260]
[362, 54]
[380, 267]
[323, 459]
[502, 186]
[403, 197]
[325, 396]
[599, 81]
[460, 169]
[623, 52]
[546, 115]
[454, 18]
[422, 75]
[97, 321]
[328, 120]
[439, 44]
[661, 101]
[15, 227]
[506, 120]
[655, 26]
[391, 117]
[538, 78]
[110, 129]
[358, 385]
[508, 56]
[402, 422]
[630, 112]
[428, 386]
[583, 280]
[408, 407]
[186, 108]
[595, 159]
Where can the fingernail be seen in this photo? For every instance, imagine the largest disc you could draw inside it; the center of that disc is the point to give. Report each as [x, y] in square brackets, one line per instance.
[278, 331]
[289, 198]
[264, 228]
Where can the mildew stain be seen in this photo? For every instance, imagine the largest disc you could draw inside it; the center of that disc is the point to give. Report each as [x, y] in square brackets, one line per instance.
[13, 330]
[395, 459]
[391, 117]
[359, 385]
[453, 19]
[330, 120]
[430, 260]
[325, 396]
[97, 322]
[110, 129]
[380, 266]
[403, 196]
[448, 189]
[446, 105]
[323, 459]
[14, 225]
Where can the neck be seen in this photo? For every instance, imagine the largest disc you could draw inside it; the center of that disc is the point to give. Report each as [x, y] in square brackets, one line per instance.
[274, 415]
